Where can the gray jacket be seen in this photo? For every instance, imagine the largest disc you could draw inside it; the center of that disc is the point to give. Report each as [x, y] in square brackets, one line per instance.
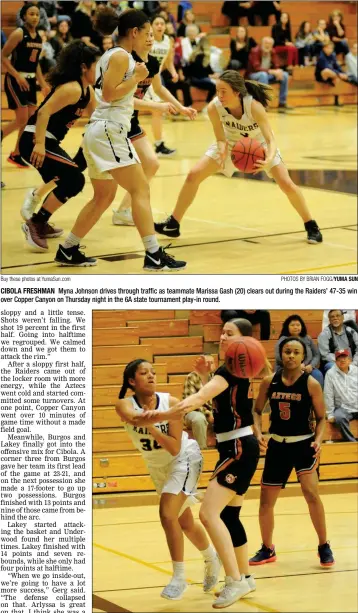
[340, 342]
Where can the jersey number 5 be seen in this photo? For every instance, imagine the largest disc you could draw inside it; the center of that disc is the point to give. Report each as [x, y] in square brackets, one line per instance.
[146, 444]
[33, 56]
[285, 411]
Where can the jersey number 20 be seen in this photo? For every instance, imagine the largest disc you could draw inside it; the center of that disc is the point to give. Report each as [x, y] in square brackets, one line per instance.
[285, 411]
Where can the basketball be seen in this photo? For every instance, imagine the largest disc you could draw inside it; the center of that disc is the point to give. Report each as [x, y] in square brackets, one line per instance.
[245, 357]
[245, 153]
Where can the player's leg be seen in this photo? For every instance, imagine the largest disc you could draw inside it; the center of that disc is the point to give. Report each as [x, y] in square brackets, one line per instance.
[22, 116]
[296, 198]
[157, 127]
[31, 109]
[203, 169]
[34, 197]
[309, 486]
[169, 508]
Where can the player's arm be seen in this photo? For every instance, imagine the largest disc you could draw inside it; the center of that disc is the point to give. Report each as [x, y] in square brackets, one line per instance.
[319, 408]
[91, 106]
[14, 39]
[260, 404]
[260, 116]
[39, 76]
[171, 441]
[218, 131]
[126, 412]
[113, 86]
[211, 389]
[168, 63]
[165, 95]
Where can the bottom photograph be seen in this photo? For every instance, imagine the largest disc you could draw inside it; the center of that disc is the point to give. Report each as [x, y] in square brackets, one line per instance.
[225, 460]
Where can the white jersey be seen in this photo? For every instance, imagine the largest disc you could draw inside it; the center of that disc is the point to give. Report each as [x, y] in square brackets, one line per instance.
[154, 455]
[235, 128]
[118, 111]
[161, 49]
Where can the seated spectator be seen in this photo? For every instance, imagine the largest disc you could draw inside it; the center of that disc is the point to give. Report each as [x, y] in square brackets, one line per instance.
[62, 37]
[305, 44]
[188, 19]
[182, 7]
[236, 10]
[50, 7]
[107, 43]
[47, 55]
[82, 26]
[265, 9]
[256, 318]
[295, 326]
[263, 66]
[337, 335]
[320, 36]
[349, 318]
[164, 6]
[199, 70]
[199, 419]
[351, 63]
[327, 68]
[182, 84]
[341, 393]
[337, 32]
[44, 23]
[189, 42]
[240, 48]
[281, 34]
[116, 5]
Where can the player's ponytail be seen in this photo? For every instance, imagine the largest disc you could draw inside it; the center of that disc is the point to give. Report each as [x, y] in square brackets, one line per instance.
[259, 91]
[106, 21]
[244, 325]
[129, 373]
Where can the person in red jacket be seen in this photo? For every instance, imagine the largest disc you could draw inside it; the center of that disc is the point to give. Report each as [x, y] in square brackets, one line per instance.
[263, 66]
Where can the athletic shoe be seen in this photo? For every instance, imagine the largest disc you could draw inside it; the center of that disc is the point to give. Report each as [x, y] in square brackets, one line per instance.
[122, 217]
[2, 185]
[72, 256]
[283, 107]
[263, 556]
[29, 205]
[34, 237]
[314, 235]
[47, 230]
[232, 591]
[325, 555]
[250, 580]
[169, 227]
[174, 590]
[211, 573]
[17, 161]
[160, 260]
[163, 151]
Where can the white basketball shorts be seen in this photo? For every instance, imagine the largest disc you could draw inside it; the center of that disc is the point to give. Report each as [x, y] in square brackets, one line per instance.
[106, 147]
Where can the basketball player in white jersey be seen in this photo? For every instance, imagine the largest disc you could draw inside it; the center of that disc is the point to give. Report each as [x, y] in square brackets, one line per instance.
[162, 50]
[174, 462]
[111, 158]
[239, 110]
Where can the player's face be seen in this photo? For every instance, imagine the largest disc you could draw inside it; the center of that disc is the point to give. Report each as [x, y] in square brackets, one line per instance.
[292, 355]
[158, 27]
[32, 17]
[142, 39]
[294, 327]
[226, 94]
[336, 319]
[144, 379]
[89, 73]
[228, 332]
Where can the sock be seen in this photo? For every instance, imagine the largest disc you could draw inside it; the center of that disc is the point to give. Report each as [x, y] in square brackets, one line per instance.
[42, 216]
[150, 243]
[310, 223]
[71, 241]
[209, 553]
[173, 222]
[158, 143]
[178, 571]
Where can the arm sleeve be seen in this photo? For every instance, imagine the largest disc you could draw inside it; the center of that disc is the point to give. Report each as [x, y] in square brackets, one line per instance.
[329, 393]
[315, 353]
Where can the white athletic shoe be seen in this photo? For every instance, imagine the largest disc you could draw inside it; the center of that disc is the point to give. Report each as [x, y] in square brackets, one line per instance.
[174, 590]
[123, 217]
[250, 580]
[232, 591]
[211, 573]
[29, 205]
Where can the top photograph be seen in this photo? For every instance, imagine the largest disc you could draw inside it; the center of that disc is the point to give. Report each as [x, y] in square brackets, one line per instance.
[188, 137]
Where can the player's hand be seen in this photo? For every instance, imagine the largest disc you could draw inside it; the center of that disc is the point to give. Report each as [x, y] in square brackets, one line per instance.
[261, 165]
[188, 111]
[23, 83]
[168, 107]
[200, 364]
[223, 149]
[175, 77]
[262, 443]
[182, 408]
[140, 71]
[343, 76]
[317, 447]
[38, 155]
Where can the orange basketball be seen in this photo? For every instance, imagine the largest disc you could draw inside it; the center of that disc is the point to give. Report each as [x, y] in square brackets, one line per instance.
[245, 153]
[245, 357]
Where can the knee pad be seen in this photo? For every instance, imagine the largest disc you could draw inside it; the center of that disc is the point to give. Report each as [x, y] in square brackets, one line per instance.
[231, 519]
[70, 185]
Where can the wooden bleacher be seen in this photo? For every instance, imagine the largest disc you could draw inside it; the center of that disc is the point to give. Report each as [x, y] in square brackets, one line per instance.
[172, 340]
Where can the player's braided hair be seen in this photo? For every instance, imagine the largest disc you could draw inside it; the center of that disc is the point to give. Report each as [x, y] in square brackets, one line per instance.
[106, 21]
[69, 62]
[129, 373]
[260, 92]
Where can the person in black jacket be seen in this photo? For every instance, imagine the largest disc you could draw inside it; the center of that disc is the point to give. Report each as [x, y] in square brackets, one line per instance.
[240, 48]
[254, 317]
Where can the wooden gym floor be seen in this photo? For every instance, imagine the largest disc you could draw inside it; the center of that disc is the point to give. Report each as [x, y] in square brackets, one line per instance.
[131, 563]
[237, 226]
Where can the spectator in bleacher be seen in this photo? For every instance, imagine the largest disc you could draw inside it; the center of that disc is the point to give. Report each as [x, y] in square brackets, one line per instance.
[50, 7]
[82, 25]
[164, 6]
[182, 84]
[265, 9]
[337, 335]
[341, 393]
[351, 63]
[182, 7]
[189, 42]
[116, 5]
[62, 37]
[44, 23]
[294, 326]
[337, 32]
[321, 36]
[305, 44]
[107, 43]
[264, 67]
[199, 419]
[327, 68]
[188, 19]
[236, 10]
[240, 47]
[199, 70]
[281, 34]
[47, 55]
[260, 318]
[350, 318]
